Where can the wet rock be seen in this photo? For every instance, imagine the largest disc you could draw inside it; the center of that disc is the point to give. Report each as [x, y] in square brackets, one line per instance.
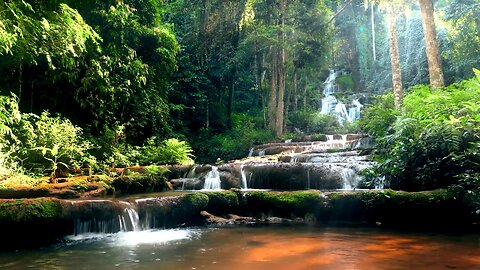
[209, 218]
[187, 184]
[278, 220]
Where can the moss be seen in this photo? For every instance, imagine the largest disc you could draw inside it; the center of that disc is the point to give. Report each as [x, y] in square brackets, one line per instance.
[194, 201]
[132, 184]
[284, 204]
[28, 210]
[398, 209]
[222, 202]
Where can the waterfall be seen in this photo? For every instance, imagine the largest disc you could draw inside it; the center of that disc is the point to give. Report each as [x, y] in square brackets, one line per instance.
[349, 178]
[115, 217]
[354, 111]
[244, 177]
[330, 105]
[212, 180]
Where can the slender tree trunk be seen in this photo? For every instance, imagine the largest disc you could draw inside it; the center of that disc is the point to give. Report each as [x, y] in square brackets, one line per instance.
[305, 91]
[207, 124]
[231, 94]
[295, 94]
[272, 102]
[374, 48]
[435, 69]
[394, 57]
[281, 74]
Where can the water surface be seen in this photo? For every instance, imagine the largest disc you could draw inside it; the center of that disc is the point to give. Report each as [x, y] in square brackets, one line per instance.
[264, 247]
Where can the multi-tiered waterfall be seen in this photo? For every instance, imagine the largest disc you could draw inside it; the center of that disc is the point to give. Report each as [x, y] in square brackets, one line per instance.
[331, 105]
[330, 162]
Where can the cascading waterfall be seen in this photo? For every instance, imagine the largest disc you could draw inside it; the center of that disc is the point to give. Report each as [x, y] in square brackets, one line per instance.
[330, 104]
[350, 178]
[244, 177]
[118, 216]
[212, 180]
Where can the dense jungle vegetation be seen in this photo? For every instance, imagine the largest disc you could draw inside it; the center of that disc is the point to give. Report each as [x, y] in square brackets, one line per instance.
[102, 84]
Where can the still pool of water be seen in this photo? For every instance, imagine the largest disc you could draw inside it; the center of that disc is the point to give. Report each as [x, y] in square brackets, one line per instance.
[257, 247]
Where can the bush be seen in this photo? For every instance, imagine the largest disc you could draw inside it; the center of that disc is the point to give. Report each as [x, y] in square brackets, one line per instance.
[38, 143]
[171, 151]
[345, 82]
[313, 122]
[235, 143]
[378, 118]
[436, 139]
[45, 143]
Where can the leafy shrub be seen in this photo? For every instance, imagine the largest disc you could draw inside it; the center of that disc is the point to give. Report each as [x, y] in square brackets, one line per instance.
[171, 151]
[48, 143]
[313, 122]
[378, 118]
[435, 140]
[235, 143]
[38, 143]
[345, 82]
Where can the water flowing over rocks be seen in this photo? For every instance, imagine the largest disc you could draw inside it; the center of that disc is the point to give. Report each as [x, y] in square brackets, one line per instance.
[332, 162]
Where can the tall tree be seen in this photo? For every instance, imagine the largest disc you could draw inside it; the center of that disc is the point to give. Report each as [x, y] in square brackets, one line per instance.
[394, 56]
[435, 68]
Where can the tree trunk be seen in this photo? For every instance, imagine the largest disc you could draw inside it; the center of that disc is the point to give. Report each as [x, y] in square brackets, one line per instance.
[231, 94]
[281, 74]
[272, 102]
[304, 91]
[295, 95]
[394, 57]
[435, 69]
[374, 48]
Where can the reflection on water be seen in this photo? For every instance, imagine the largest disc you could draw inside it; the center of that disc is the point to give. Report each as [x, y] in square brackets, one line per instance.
[270, 247]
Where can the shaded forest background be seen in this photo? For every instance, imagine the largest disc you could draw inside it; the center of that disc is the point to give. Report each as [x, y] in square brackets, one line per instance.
[221, 75]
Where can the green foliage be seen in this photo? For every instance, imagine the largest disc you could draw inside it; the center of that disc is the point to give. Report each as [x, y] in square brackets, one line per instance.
[30, 32]
[313, 122]
[45, 142]
[435, 141]
[234, 143]
[171, 151]
[345, 82]
[377, 119]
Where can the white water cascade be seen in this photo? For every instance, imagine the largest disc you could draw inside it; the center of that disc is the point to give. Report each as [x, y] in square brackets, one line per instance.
[330, 104]
[126, 220]
[244, 177]
[212, 180]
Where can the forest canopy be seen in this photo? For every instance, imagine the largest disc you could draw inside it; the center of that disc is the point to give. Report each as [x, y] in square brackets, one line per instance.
[110, 83]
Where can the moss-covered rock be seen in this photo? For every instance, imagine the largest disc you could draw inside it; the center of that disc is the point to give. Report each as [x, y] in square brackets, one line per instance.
[397, 209]
[30, 222]
[29, 210]
[222, 202]
[138, 183]
[283, 204]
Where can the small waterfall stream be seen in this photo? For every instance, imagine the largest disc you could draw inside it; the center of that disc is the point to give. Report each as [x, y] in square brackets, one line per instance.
[105, 216]
[244, 177]
[331, 105]
[212, 180]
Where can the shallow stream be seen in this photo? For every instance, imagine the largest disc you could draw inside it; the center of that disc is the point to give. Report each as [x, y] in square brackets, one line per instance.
[255, 247]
